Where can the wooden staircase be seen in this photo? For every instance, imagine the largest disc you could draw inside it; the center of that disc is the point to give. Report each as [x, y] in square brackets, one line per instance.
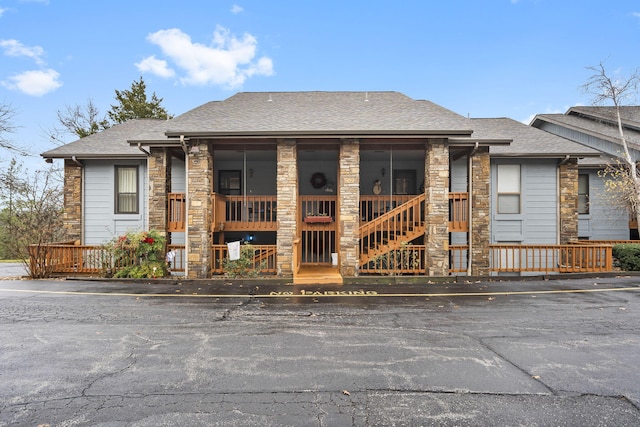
[391, 230]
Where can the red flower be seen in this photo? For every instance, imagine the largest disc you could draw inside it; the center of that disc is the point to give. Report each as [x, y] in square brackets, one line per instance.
[148, 240]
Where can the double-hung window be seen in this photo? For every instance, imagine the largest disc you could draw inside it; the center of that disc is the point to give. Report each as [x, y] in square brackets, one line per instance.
[509, 189]
[126, 190]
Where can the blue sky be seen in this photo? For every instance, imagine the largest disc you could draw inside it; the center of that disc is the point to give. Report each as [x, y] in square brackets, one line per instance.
[489, 58]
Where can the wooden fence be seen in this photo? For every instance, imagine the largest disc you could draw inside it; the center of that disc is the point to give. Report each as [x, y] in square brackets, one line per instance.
[69, 259]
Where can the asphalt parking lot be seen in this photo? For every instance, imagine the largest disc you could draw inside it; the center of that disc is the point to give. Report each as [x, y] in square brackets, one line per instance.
[532, 353]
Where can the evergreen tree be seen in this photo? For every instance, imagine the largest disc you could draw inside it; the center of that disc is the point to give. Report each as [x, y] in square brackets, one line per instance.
[134, 104]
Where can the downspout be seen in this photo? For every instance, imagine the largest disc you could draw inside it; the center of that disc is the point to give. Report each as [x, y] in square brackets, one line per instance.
[143, 150]
[558, 197]
[186, 207]
[146, 211]
[82, 192]
[183, 144]
[469, 209]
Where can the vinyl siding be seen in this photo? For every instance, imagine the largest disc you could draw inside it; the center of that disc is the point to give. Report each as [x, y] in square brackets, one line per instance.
[100, 222]
[537, 221]
[605, 221]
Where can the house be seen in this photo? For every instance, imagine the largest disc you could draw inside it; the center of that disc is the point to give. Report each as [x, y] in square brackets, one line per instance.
[597, 128]
[371, 182]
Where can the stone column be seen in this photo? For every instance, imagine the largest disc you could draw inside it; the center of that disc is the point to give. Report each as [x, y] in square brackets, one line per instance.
[199, 188]
[349, 202]
[568, 201]
[480, 213]
[436, 187]
[159, 186]
[287, 199]
[72, 214]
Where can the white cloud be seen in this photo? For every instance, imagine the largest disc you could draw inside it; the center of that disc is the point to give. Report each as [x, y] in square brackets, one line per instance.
[2, 11]
[635, 14]
[227, 61]
[15, 48]
[155, 66]
[235, 9]
[34, 83]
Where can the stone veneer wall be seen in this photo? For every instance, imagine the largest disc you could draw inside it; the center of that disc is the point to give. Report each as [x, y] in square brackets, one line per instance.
[199, 187]
[159, 186]
[72, 215]
[436, 186]
[481, 213]
[568, 201]
[287, 199]
[349, 199]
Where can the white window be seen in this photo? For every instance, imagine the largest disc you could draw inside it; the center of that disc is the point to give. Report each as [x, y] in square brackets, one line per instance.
[508, 189]
[126, 189]
[583, 193]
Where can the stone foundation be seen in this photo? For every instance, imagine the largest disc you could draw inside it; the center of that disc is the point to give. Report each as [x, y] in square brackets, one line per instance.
[159, 186]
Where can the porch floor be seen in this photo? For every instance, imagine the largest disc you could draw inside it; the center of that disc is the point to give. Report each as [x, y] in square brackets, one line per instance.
[318, 274]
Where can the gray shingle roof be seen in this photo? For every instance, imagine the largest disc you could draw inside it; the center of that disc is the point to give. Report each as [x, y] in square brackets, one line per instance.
[112, 142]
[321, 113]
[327, 113]
[589, 126]
[527, 140]
[629, 114]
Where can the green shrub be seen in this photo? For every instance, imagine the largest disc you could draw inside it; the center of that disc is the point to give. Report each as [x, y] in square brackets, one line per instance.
[242, 267]
[138, 255]
[628, 255]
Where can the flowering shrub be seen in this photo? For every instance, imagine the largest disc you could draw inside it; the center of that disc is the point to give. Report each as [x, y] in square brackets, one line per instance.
[138, 255]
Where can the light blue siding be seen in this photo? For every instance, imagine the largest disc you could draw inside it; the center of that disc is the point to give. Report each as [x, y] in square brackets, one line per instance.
[605, 220]
[178, 176]
[537, 221]
[101, 223]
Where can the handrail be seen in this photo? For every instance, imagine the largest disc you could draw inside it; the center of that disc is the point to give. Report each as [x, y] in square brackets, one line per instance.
[401, 224]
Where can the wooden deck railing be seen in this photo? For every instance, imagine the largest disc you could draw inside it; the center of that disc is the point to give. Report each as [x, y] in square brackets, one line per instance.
[408, 259]
[458, 258]
[177, 210]
[458, 212]
[259, 213]
[69, 259]
[264, 258]
[571, 258]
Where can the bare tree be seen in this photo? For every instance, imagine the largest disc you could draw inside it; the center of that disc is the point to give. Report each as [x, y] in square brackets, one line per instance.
[7, 116]
[31, 215]
[81, 120]
[622, 173]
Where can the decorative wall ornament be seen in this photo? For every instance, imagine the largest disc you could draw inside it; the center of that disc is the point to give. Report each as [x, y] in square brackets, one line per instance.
[377, 187]
[318, 180]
